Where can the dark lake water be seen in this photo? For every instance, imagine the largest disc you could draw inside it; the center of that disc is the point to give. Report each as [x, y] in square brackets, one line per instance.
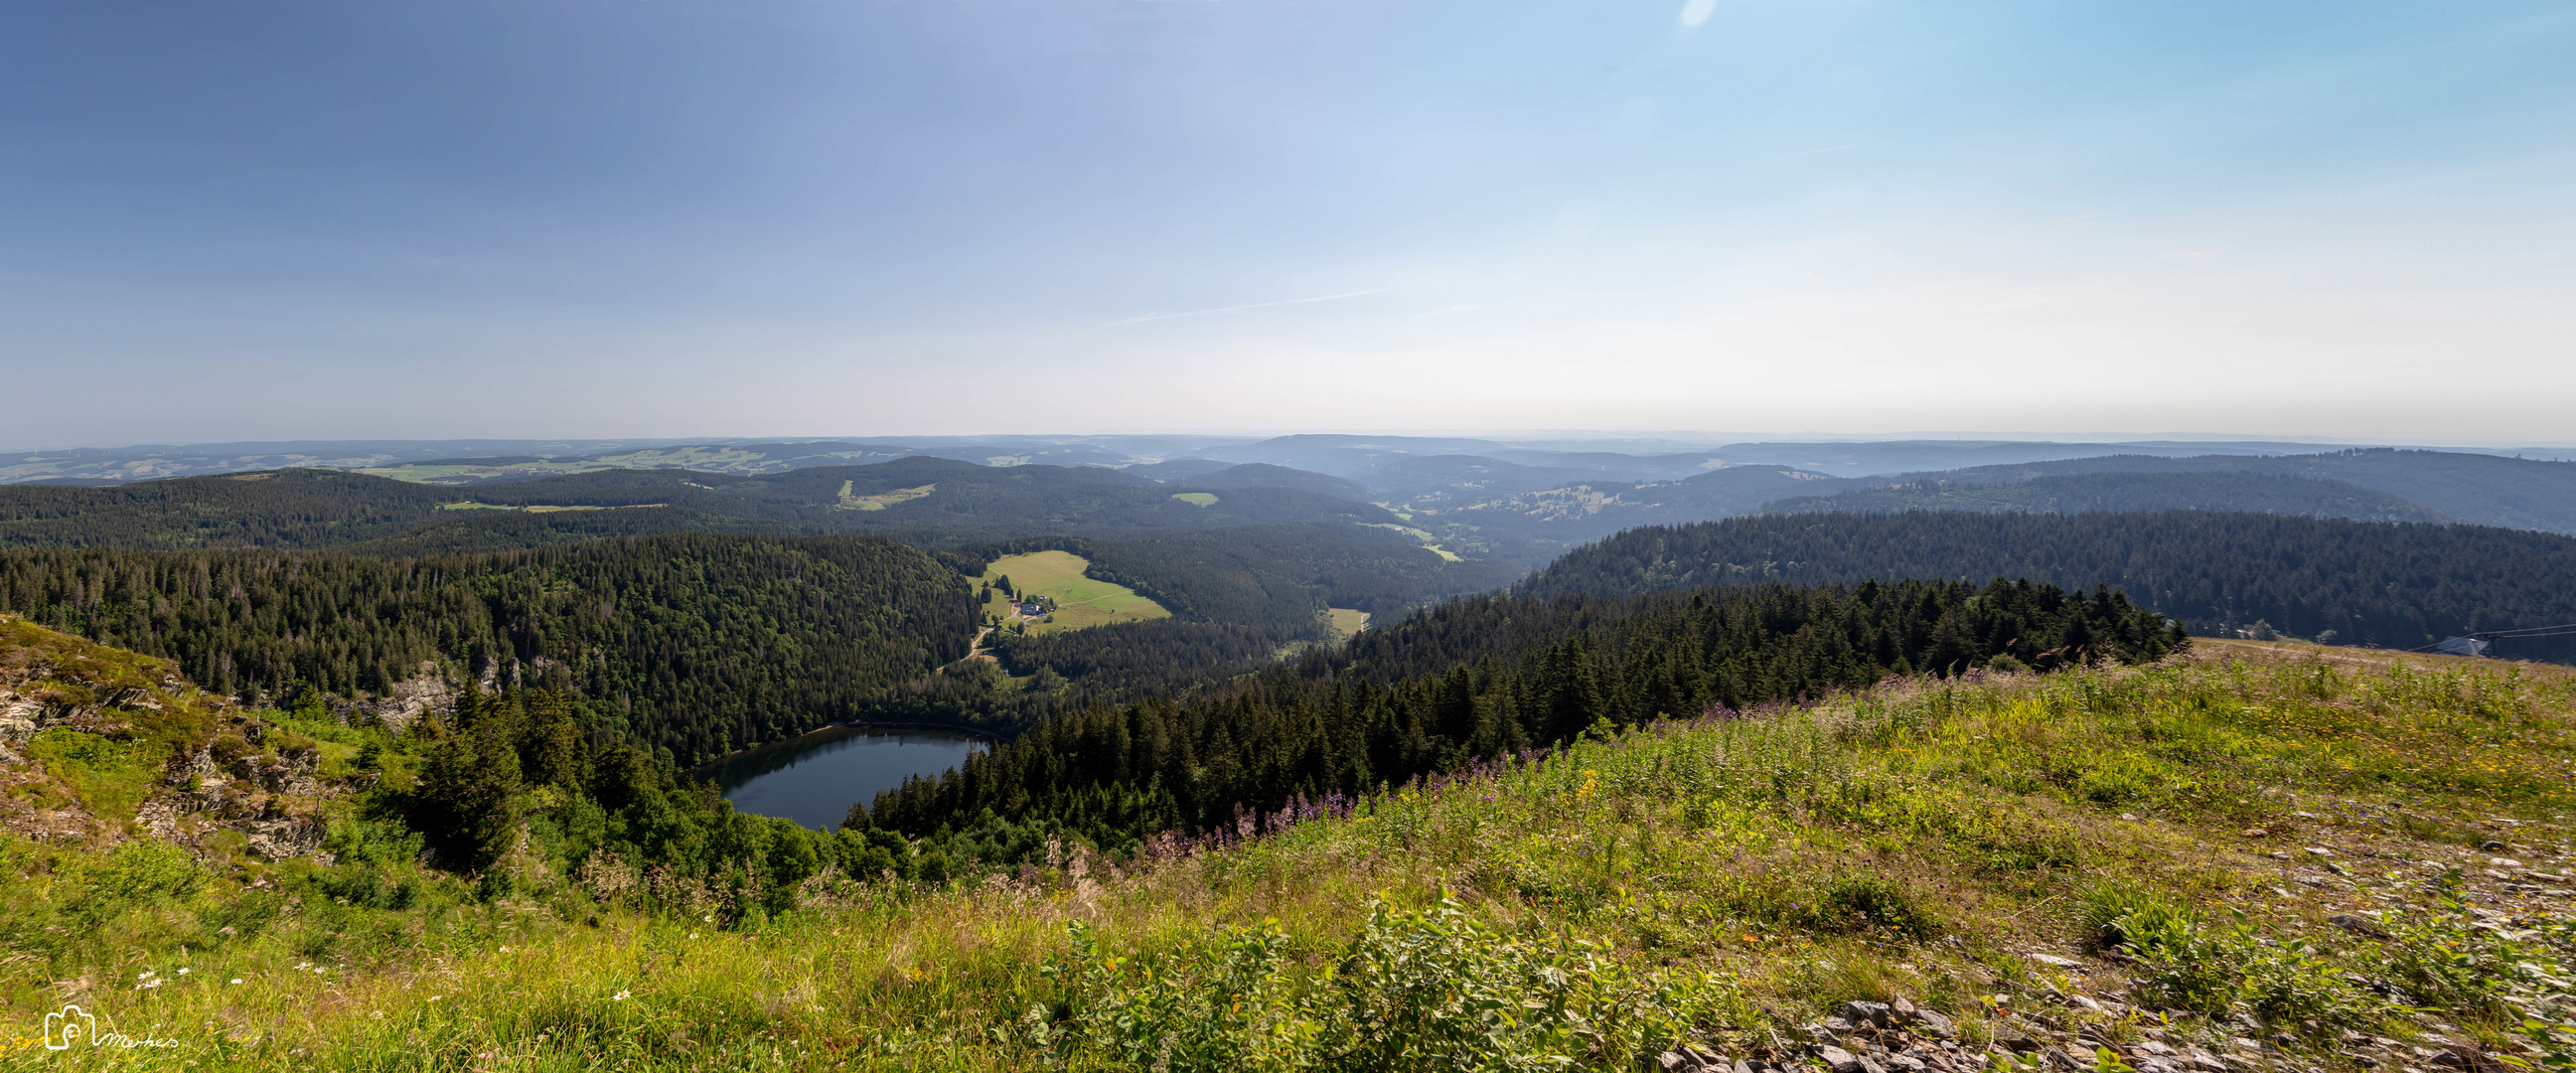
[813, 779]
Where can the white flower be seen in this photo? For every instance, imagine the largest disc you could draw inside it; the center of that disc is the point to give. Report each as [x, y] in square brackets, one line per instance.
[144, 975]
[434, 998]
[183, 972]
[237, 979]
[505, 950]
[621, 997]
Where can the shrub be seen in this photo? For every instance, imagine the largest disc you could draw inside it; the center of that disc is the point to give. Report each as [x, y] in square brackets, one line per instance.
[139, 872]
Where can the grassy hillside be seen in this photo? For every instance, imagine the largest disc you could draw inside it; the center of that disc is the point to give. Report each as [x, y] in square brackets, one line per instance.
[2251, 858]
[2387, 585]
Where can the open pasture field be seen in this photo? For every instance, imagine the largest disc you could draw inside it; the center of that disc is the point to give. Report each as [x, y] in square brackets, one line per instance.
[1080, 601]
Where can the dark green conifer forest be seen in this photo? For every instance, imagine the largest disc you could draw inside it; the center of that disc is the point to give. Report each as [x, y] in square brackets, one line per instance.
[695, 644]
[2391, 585]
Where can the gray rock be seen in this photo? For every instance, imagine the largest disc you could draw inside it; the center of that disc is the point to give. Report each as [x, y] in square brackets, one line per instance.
[1878, 1014]
[279, 839]
[1935, 1023]
[1842, 1061]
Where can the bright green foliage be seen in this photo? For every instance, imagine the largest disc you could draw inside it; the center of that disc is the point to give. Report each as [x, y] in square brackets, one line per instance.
[1432, 989]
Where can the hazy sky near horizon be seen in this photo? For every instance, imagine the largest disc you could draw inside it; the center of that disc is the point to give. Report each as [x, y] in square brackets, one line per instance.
[585, 218]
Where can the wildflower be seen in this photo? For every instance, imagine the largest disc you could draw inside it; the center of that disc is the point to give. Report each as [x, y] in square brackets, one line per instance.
[144, 975]
[237, 979]
[434, 998]
[505, 950]
[621, 997]
[183, 972]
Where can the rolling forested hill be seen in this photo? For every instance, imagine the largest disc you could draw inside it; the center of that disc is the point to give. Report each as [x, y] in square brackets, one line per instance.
[2337, 581]
[923, 499]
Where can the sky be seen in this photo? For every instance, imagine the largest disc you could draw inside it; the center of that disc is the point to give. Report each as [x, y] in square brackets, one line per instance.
[673, 218]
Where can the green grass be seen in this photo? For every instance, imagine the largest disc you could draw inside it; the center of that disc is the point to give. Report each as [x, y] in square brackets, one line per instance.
[1724, 879]
[1203, 499]
[1345, 621]
[1080, 601]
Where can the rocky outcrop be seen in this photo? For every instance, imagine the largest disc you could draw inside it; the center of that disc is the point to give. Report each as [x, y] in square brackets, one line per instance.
[19, 720]
[232, 771]
[408, 701]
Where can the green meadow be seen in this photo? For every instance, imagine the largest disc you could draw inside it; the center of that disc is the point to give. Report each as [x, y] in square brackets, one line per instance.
[1080, 601]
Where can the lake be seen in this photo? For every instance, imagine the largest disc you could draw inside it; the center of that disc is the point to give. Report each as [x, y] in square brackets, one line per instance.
[813, 779]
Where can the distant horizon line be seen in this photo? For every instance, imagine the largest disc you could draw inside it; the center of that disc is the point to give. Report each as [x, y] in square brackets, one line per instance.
[1687, 437]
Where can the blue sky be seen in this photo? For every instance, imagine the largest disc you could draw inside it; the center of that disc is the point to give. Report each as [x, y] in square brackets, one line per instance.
[676, 218]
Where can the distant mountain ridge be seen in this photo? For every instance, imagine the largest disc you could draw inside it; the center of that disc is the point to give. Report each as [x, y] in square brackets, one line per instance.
[1508, 501]
[2482, 489]
[2123, 491]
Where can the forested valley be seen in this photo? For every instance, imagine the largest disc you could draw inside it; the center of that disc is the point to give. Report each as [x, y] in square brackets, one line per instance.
[702, 644]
